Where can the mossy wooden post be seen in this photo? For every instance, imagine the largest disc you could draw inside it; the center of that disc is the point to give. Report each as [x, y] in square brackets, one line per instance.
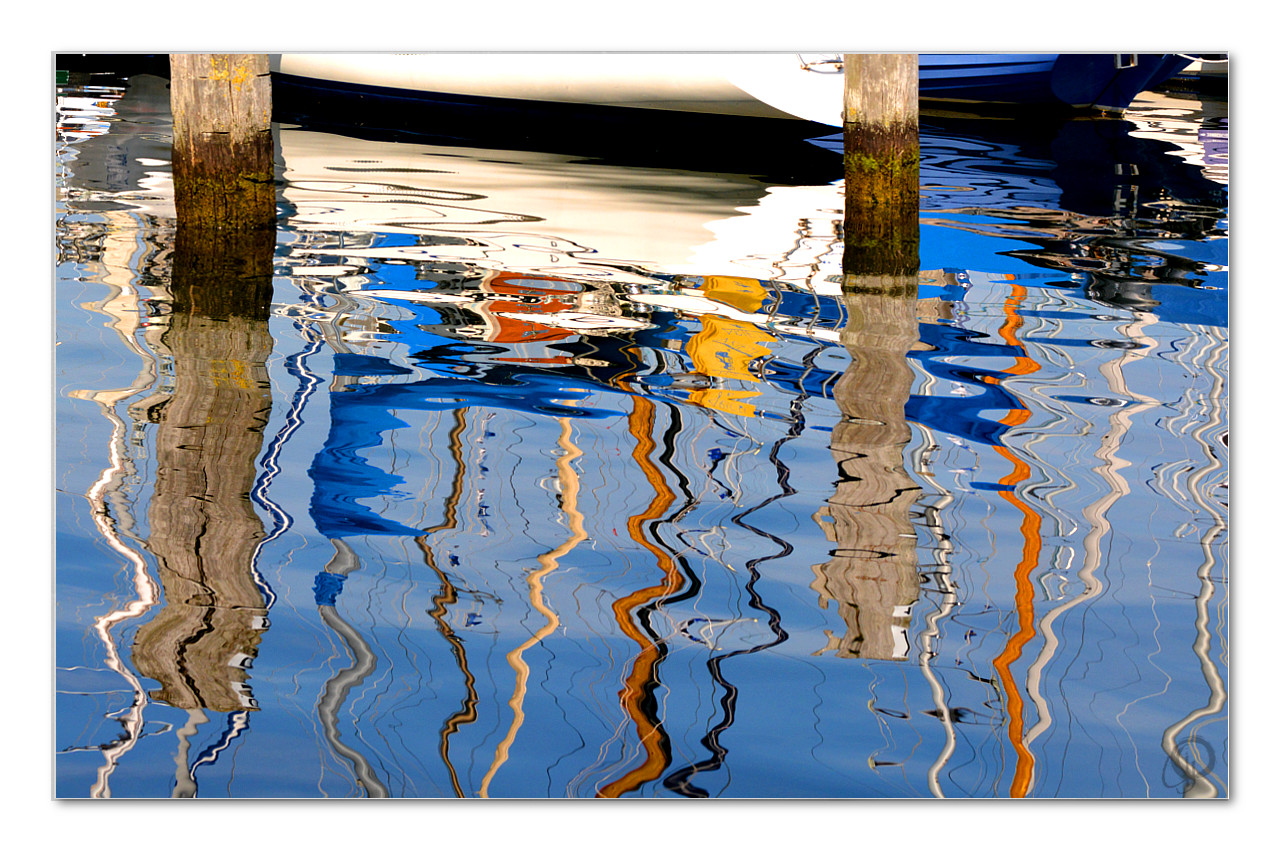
[222, 153]
[882, 164]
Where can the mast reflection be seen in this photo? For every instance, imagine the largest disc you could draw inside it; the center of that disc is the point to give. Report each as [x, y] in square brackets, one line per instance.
[639, 690]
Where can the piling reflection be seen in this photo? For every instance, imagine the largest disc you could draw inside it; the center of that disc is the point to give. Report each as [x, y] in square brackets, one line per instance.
[872, 574]
[209, 432]
[204, 529]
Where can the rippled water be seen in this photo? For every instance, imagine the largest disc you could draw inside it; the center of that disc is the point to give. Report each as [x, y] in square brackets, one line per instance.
[552, 475]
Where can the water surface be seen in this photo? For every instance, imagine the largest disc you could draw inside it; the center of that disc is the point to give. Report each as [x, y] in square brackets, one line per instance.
[554, 474]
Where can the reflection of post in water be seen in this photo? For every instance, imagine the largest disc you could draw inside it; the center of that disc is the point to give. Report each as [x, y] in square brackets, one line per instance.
[204, 530]
[872, 573]
[203, 526]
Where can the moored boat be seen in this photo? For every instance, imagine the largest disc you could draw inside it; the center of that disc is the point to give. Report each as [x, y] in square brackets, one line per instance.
[1205, 72]
[774, 86]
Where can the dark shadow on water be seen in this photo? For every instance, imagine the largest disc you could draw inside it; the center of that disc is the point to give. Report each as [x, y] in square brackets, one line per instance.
[771, 150]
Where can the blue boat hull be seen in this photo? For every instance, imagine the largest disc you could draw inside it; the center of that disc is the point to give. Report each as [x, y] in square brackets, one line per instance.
[1073, 80]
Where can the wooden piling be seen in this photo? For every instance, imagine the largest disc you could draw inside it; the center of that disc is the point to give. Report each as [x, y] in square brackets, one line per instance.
[882, 164]
[222, 151]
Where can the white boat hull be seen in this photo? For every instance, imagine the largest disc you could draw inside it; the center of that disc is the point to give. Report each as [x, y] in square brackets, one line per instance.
[755, 85]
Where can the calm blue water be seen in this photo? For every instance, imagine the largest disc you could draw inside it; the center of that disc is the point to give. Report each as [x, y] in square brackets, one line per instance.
[557, 476]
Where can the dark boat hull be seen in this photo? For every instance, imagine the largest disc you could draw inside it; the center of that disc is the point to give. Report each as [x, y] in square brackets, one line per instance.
[1101, 81]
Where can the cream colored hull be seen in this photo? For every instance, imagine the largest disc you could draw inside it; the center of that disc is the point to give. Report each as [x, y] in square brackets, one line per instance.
[761, 85]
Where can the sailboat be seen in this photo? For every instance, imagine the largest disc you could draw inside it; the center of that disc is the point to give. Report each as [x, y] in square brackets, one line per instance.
[502, 90]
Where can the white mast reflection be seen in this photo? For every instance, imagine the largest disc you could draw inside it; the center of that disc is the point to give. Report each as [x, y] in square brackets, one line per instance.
[1096, 513]
[932, 510]
[122, 256]
[1196, 766]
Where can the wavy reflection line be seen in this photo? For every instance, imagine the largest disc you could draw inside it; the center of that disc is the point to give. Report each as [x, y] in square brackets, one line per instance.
[237, 722]
[680, 781]
[1096, 513]
[637, 694]
[1024, 594]
[146, 593]
[270, 464]
[693, 590]
[942, 550]
[1198, 785]
[337, 688]
[549, 562]
[448, 595]
[184, 783]
[185, 786]
[121, 305]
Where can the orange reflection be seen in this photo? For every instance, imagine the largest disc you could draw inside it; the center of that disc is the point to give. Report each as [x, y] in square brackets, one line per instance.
[525, 295]
[724, 349]
[1024, 602]
[448, 595]
[637, 692]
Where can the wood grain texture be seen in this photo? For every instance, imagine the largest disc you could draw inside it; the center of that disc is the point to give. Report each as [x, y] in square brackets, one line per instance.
[204, 528]
[882, 89]
[872, 574]
[223, 169]
[881, 164]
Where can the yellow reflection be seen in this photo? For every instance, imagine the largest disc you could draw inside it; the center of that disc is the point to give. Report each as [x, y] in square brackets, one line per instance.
[745, 294]
[724, 349]
[548, 563]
